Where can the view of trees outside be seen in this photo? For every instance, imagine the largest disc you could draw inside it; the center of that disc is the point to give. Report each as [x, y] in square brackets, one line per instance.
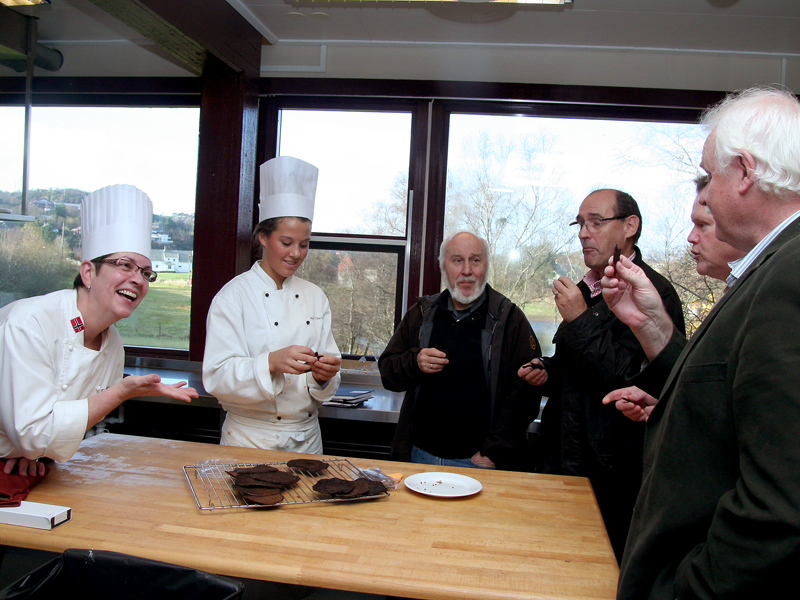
[361, 289]
[519, 181]
[75, 151]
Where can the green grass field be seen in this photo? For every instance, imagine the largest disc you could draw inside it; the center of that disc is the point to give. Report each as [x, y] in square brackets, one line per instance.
[162, 319]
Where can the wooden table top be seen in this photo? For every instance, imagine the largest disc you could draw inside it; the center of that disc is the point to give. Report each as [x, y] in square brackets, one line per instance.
[523, 536]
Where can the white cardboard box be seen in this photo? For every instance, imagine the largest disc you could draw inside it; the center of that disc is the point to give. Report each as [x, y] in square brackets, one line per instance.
[35, 514]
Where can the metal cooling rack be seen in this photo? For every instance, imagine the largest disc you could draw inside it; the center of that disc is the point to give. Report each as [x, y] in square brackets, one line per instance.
[212, 487]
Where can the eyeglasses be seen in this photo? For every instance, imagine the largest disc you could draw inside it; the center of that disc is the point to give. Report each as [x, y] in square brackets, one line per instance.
[593, 225]
[126, 265]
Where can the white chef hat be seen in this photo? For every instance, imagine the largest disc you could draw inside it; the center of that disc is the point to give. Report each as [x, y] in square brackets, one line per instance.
[117, 218]
[288, 188]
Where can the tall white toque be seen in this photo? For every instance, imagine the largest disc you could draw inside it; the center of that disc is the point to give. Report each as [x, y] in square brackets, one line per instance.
[117, 218]
[288, 188]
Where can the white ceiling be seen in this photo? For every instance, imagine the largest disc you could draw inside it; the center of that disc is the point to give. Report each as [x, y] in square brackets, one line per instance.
[719, 25]
[95, 43]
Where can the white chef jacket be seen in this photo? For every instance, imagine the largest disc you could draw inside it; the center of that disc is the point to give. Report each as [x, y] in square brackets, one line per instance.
[47, 374]
[249, 318]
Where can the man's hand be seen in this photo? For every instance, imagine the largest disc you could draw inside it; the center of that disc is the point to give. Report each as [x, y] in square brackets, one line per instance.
[569, 299]
[294, 360]
[483, 461]
[634, 403]
[431, 360]
[325, 367]
[531, 374]
[24, 466]
[636, 302]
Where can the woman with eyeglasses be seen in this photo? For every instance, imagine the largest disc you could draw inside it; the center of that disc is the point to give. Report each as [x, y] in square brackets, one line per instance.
[61, 358]
[270, 356]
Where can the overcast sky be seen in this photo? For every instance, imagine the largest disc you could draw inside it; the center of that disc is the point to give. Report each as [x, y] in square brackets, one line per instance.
[154, 149]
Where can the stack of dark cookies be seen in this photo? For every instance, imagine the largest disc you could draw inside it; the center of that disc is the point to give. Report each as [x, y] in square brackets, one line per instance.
[261, 484]
[348, 488]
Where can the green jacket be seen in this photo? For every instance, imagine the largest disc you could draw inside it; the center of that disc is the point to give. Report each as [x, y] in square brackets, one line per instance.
[718, 515]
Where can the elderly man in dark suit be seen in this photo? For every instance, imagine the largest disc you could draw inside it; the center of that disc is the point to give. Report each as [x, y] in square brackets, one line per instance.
[718, 515]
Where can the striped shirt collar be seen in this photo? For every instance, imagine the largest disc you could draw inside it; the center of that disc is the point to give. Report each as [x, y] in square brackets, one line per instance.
[592, 280]
[738, 267]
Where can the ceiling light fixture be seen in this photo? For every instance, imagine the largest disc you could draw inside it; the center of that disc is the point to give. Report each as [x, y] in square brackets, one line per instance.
[23, 2]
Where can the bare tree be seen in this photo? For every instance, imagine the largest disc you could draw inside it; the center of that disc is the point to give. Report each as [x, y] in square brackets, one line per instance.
[679, 148]
[31, 264]
[507, 194]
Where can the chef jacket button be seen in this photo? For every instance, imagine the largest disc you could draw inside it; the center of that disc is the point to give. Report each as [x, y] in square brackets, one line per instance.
[278, 418]
[64, 387]
[276, 323]
[266, 294]
[69, 347]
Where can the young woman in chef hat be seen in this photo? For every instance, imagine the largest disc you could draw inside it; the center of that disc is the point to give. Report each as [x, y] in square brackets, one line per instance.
[270, 356]
[61, 358]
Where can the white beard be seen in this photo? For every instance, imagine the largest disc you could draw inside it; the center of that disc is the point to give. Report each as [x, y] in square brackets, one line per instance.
[459, 296]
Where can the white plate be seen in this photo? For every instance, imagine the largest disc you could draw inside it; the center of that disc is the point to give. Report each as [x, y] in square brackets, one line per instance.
[443, 485]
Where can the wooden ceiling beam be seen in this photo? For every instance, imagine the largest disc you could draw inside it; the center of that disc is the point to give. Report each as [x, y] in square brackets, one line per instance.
[192, 31]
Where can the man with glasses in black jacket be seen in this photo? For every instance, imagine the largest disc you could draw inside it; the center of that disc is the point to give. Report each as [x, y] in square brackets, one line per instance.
[579, 435]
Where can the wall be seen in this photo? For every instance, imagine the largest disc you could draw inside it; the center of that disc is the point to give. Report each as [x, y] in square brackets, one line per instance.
[531, 64]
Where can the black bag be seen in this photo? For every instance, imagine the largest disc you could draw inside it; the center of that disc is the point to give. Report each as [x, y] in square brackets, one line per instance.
[97, 574]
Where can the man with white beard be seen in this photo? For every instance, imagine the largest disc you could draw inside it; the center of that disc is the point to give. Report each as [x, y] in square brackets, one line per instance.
[456, 354]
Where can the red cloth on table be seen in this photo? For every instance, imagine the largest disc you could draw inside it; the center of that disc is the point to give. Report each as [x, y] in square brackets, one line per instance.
[15, 488]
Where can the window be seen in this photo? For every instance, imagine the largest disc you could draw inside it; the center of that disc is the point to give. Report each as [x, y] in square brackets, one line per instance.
[363, 160]
[12, 124]
[518, 181]
[76, 150]
[360, 237]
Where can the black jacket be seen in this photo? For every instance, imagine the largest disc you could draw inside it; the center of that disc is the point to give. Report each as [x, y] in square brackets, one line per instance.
[507, 342]
[591, 359]
[579, 434]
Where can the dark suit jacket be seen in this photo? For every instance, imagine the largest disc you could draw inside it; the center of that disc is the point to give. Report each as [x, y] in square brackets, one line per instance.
[718, 515]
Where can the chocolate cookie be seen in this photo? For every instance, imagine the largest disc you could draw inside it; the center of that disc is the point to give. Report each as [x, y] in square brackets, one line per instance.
[278, 477]
[265, 499]
[254, 469]
[375, 487]
[310, 465]
[360, 488]
[246, 480]
[256, 490]
[334, 486]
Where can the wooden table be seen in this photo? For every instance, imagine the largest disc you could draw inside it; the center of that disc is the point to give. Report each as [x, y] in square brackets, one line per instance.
[523, 536]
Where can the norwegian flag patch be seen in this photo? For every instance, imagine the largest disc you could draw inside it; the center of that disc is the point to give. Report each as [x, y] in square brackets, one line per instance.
[77, 324]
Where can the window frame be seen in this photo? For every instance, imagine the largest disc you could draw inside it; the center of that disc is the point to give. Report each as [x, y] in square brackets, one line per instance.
[403, 247]
[131, 92]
